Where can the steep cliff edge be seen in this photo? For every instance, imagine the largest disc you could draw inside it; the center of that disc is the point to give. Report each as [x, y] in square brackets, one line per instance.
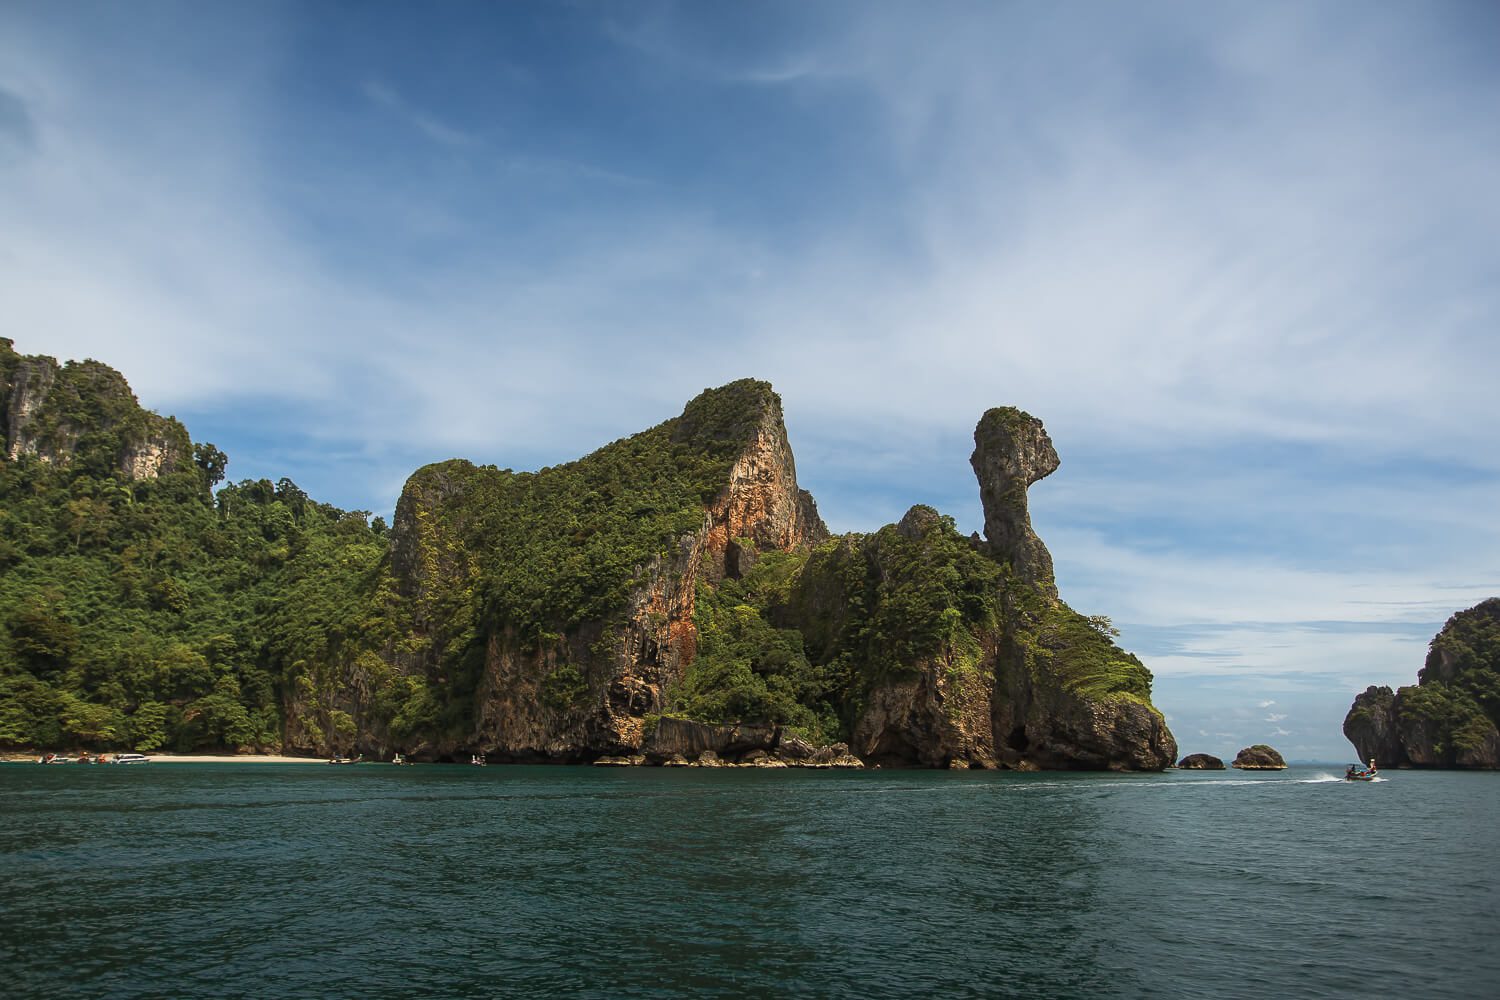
[83, 413]
[550, 611]
[933, 650]
[1066, 695]
[1451, 717]
[1011, 453]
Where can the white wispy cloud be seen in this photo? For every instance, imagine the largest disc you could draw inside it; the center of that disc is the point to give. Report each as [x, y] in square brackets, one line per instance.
[1213, 234]
[426, 122]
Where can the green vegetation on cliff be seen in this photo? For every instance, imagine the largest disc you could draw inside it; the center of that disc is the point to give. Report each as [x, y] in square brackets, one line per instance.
[86, 414]
[1451, 716]
[565, 545]
[748, 669]
[1456, 700]
[874, 607]
[144, 615]
[153, 614]
[1080, 652]
[148, 614]
[140, 609]
[805, 637]
[535, 556]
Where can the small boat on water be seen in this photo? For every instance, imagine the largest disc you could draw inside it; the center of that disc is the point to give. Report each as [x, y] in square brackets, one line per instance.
[130, 758]
[1356, 773]
[346, 760]
[56, 758]
[401, 761]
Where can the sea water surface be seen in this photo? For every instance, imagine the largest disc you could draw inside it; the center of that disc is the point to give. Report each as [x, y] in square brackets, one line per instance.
[257, 880]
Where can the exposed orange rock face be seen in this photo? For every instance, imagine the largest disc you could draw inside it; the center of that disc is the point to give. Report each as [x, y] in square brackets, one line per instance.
[473, 613]
[627, 664]
[761, 503]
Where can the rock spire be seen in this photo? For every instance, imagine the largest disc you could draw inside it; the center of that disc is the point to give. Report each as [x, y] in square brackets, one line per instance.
[1012, 451]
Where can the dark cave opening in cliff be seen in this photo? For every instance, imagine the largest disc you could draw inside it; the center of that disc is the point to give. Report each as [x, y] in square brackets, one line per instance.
[893, 751]
[1018, 741]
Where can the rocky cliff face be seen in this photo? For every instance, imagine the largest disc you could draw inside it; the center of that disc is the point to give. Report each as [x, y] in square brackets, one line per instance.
[1372, 727]
[586, 688]
[1011, 452]
[83, 411]
[1065, 695]
[1021, 681]
[1046, 724]
[23, 394]
[1451, 717]
[556, 615]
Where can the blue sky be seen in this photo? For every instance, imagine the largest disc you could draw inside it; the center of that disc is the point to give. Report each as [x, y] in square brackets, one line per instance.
[1242, 260]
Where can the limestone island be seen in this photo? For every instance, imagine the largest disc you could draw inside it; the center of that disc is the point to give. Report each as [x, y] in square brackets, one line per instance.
[671, 597]
[1451, 717]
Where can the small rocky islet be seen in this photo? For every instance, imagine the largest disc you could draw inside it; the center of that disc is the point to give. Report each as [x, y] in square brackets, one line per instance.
[1200, 762]
[1259, 757]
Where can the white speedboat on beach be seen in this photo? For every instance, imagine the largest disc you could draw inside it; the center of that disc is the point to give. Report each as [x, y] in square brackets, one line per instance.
[130, 758]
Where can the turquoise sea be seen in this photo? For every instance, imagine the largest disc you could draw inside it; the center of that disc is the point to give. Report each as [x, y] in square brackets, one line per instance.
[258, 880]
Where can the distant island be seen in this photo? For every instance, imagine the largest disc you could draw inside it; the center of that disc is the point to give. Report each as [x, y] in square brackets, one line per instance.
[1451, 717]
[674, 592]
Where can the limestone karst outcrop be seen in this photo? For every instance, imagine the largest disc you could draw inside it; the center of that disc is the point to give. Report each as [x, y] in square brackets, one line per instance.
[1451, 717]
[1200, 762]
[83, 411]
[582, 681]
[672, 597]
[1372, 725]
[1065, 694]
[1007, 677]
[1012, 452]
[977, 664]
[1259, 757]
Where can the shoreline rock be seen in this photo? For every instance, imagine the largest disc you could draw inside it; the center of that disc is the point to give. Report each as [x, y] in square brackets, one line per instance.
[1259, 757]
[1201, 762]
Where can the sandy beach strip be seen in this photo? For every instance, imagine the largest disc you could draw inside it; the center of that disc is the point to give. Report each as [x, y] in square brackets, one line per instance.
[194, 758]
[21, 757]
